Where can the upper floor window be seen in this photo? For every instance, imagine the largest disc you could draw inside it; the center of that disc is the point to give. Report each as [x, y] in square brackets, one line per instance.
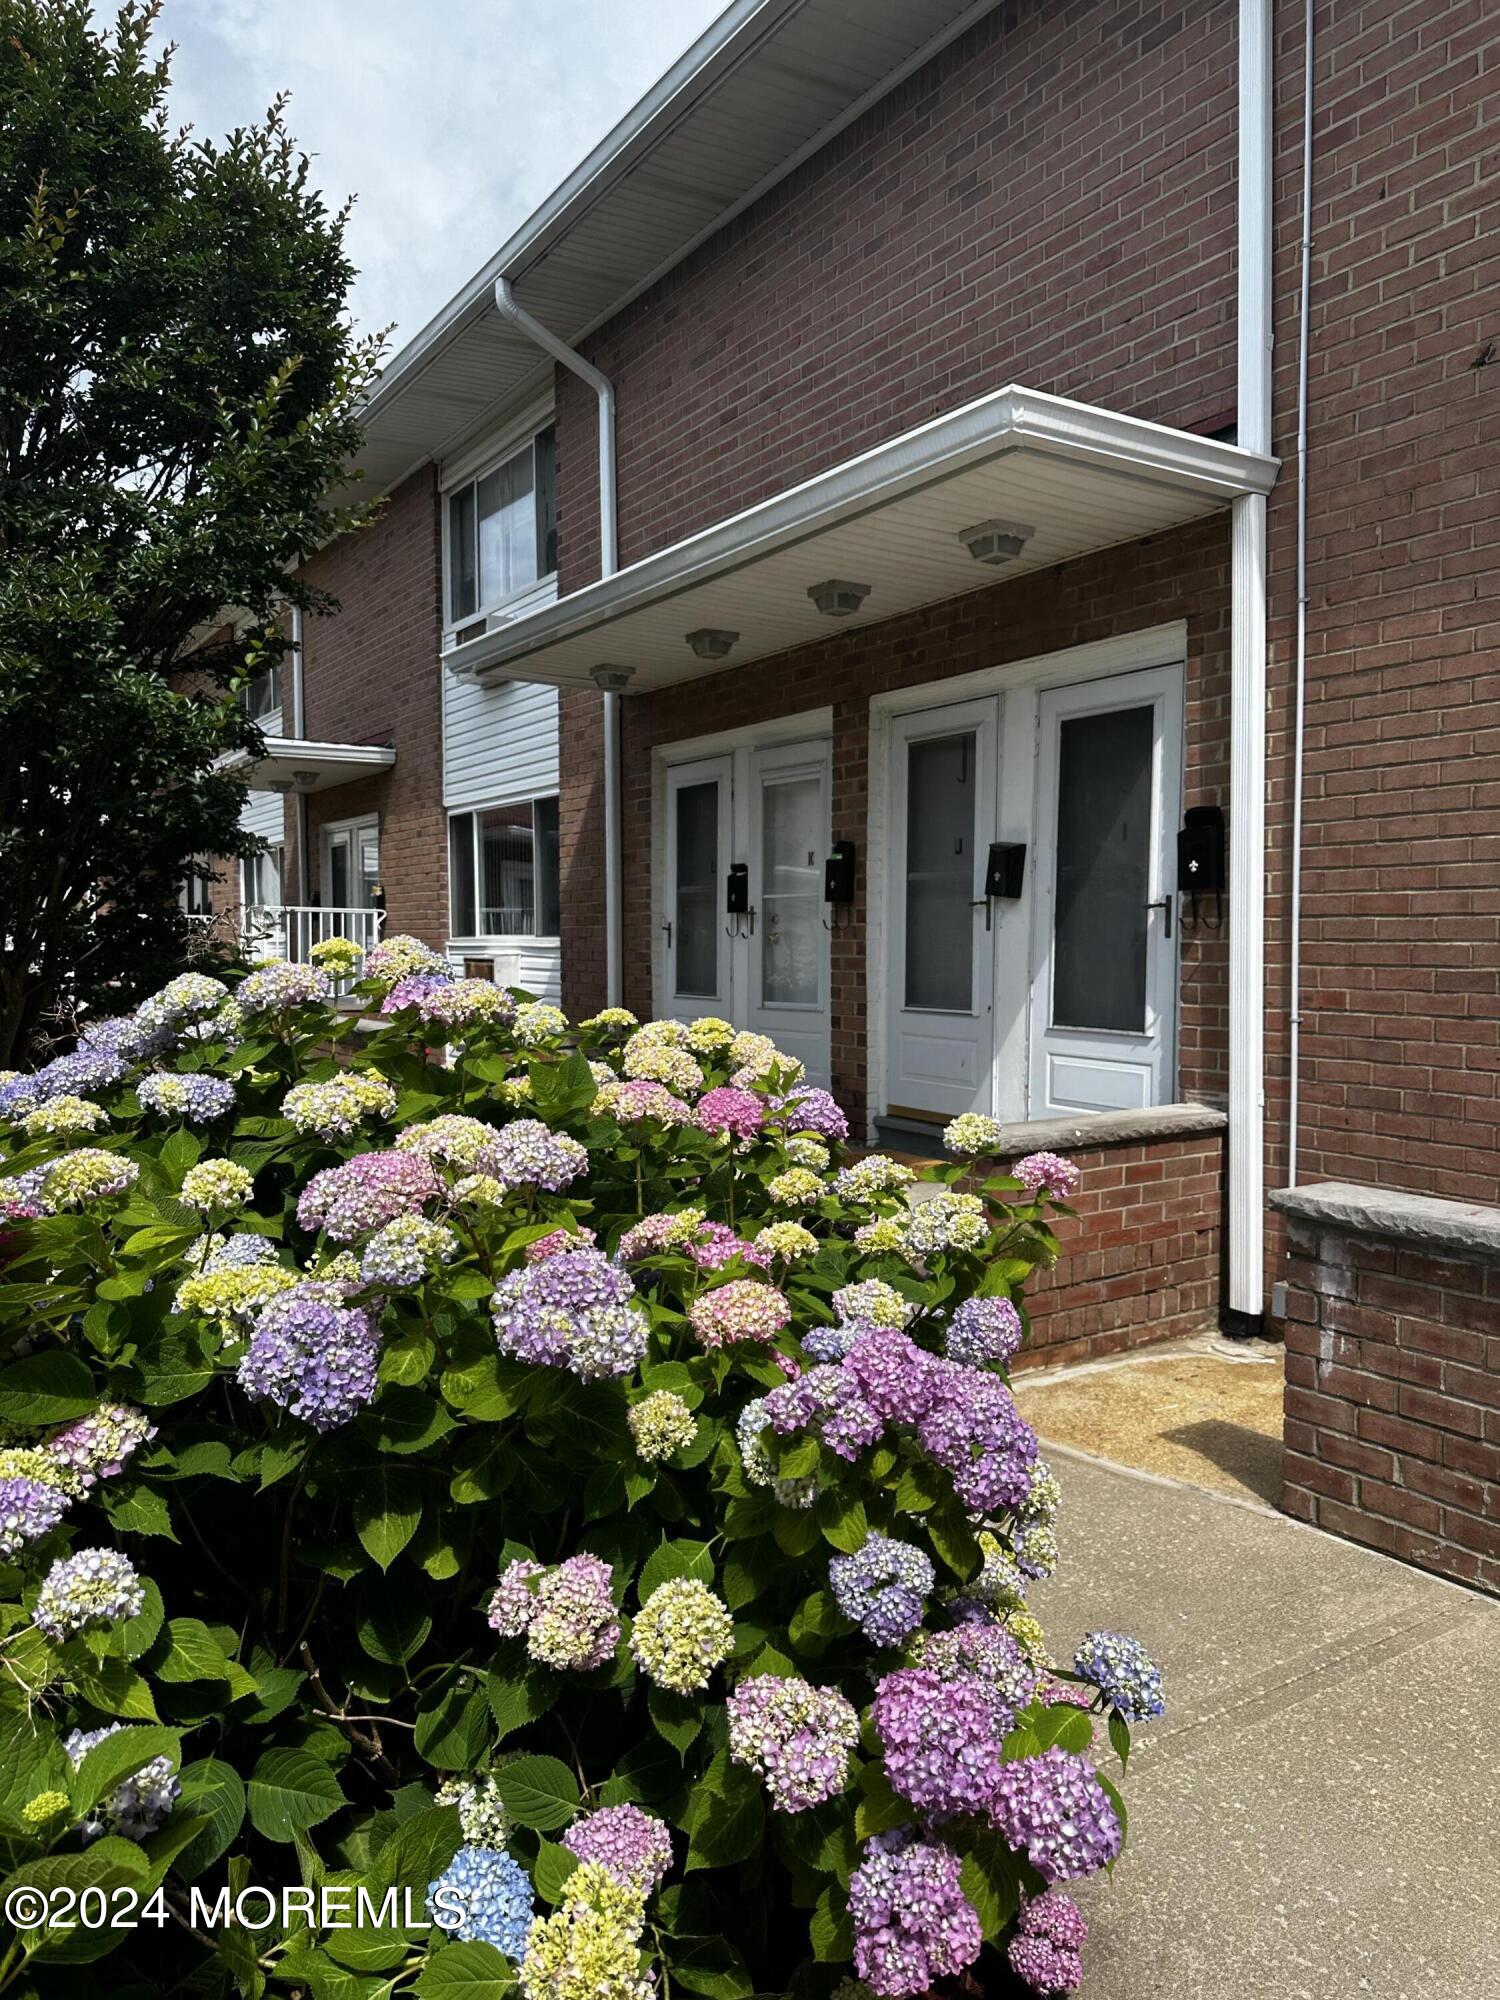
[263, 696]
[502, 529]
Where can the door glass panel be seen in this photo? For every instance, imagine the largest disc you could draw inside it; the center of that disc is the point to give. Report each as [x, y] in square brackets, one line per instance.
[369, 868]
[507, 874]
[694, 893]
[338, 872]
[1103, 869]
[940, 786]
[791, 891]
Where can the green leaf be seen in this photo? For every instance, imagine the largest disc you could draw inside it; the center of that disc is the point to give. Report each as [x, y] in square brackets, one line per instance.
[711, 1967]
[554, 1864]
[387, 1508]
[991, 1879]
[831, 1931]
[140, 1511]
[676, 1717]
[46, 1388]
[393, 1622]
[111, 1686]
[519, 1696]
[110, 1863]
[1112, 1794]
[843, 1520]
[469, 1971]
[675, 1559]
[406, 1420]
[187, 1651]
[726, 1816]
[540, 1792]
[291, 1790]
[118, 1757]
[453, 1728]
[1119, 1737]
[214, 1791]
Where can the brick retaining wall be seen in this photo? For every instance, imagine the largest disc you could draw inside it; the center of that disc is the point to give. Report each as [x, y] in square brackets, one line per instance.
[1393, 1376]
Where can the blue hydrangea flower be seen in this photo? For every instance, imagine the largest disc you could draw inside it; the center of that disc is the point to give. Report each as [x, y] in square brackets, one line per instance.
[195, 1099]
[313, 1356]
[138, 1806]
[882, 1588]
[483, 1897]
[28, 1510]
[1124, 1673]
[94, 1587]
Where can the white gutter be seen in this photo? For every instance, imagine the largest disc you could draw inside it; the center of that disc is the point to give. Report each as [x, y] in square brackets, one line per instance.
[1304, 345]
[509, 308]
[1247, 775]
[299, 728]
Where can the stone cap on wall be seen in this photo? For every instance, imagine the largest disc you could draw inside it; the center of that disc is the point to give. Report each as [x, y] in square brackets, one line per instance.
[1109, 1128]
[1466, 1228]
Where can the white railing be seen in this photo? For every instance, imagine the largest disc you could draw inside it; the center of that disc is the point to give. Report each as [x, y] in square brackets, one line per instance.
[290, 930]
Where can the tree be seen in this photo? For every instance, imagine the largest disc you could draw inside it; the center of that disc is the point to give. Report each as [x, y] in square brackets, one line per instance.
[179, 382]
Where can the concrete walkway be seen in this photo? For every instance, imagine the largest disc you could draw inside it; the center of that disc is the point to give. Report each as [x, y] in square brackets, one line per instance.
[1318, 1816]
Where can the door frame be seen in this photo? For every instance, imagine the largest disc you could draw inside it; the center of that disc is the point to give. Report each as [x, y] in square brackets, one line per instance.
[1159, 689]
[1154, 646]
[353, 827]
[813, 726]
[682, 777]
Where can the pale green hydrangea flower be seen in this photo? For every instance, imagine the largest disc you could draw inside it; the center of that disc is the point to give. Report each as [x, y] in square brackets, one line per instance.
[661, 1424]
[217, 1187]
[683, 1631]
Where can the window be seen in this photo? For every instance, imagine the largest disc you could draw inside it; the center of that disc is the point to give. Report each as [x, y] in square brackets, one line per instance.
[502, 529]
[195, 897]
[263, 696]
[502, 871]
[260, 879]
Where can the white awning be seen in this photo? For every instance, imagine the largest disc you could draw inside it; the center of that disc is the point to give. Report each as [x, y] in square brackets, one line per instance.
[1059, 478]
[290, 765]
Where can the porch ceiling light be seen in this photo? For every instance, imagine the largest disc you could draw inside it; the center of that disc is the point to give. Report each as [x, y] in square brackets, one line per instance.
[306, 781]
[836, 598]
[710, 643]
[995, 542]
[611, 680]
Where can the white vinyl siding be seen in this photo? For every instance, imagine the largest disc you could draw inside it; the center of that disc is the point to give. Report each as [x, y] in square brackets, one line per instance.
[499, 743]
[264, 815]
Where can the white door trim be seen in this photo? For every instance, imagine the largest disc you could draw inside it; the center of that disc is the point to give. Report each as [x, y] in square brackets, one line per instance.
[682, 777]
[1155, 646]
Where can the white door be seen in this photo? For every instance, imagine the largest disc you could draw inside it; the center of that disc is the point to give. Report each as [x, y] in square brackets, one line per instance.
[699, 818]
[940, 996]
[351, 864]
[1109, 760]
[785, 951]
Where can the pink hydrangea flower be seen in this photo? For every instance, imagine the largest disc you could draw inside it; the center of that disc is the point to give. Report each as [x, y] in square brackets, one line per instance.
[739, 1114]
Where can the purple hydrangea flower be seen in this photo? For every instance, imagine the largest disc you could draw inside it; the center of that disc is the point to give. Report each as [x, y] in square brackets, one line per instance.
[366, 1192]
[1046, 1968]
[983, 1331]
[973, 1429]
[97, 1446]
[198, 1100]
[413, 991]
[912, 1922]
[882, 1587]
[567, 1613]
[811, 1110]
[896, 1375]
[831, 1343]
[1047, 1173]
[1124, 1672]
[738, 1114]
[529, 1154]
[277, 987]
[23, 1196]
[1054, 1809]
[829, 1401]
[137, 1807]
[744, 1309]
[577, 1310]
[312, 1356]
[941, 1739]
[28, 1510]
[717, 1245]
[798, 1737]
[633, 1847]
[982, 1652]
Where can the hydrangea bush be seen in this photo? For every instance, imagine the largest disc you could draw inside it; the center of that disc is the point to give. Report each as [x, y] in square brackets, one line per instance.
[533, 1478]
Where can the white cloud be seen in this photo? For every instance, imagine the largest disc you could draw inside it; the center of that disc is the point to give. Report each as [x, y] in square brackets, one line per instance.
[450, 120]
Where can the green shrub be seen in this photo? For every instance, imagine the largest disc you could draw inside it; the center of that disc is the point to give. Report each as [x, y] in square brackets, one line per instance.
[421, 1456]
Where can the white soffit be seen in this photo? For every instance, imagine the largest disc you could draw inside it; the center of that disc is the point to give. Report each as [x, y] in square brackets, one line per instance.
[1083, 478]
[290, 765]
[764, 88]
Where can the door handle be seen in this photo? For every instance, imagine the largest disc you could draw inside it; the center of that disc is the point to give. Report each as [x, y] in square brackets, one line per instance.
[1164, 903]
[667, 927]
[987, 904]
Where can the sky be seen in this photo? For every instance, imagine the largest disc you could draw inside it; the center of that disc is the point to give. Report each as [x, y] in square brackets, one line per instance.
[450, 120]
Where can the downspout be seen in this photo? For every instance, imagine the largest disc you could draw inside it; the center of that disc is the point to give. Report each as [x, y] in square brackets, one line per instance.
[509, 308]
[1247, 781]
[299, 730]
[1294, 1094]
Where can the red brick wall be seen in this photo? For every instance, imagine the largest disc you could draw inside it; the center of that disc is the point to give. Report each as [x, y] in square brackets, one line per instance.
[1049, 201]
[1393, 1400]
[1178, 576]
[371, 674]
[1142, 1260]
[1401, 999]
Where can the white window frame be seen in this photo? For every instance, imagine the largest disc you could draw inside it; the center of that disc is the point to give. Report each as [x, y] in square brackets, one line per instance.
[468, 470]
[482, 943]
[361, 823]
[269, 717]
[273, 847]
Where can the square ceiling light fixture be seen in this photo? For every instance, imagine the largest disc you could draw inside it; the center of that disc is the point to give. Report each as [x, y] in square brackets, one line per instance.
[836, 598]
[709, 643]
[995, 542]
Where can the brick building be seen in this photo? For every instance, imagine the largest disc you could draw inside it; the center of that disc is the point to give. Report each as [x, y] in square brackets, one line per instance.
[919, 484]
